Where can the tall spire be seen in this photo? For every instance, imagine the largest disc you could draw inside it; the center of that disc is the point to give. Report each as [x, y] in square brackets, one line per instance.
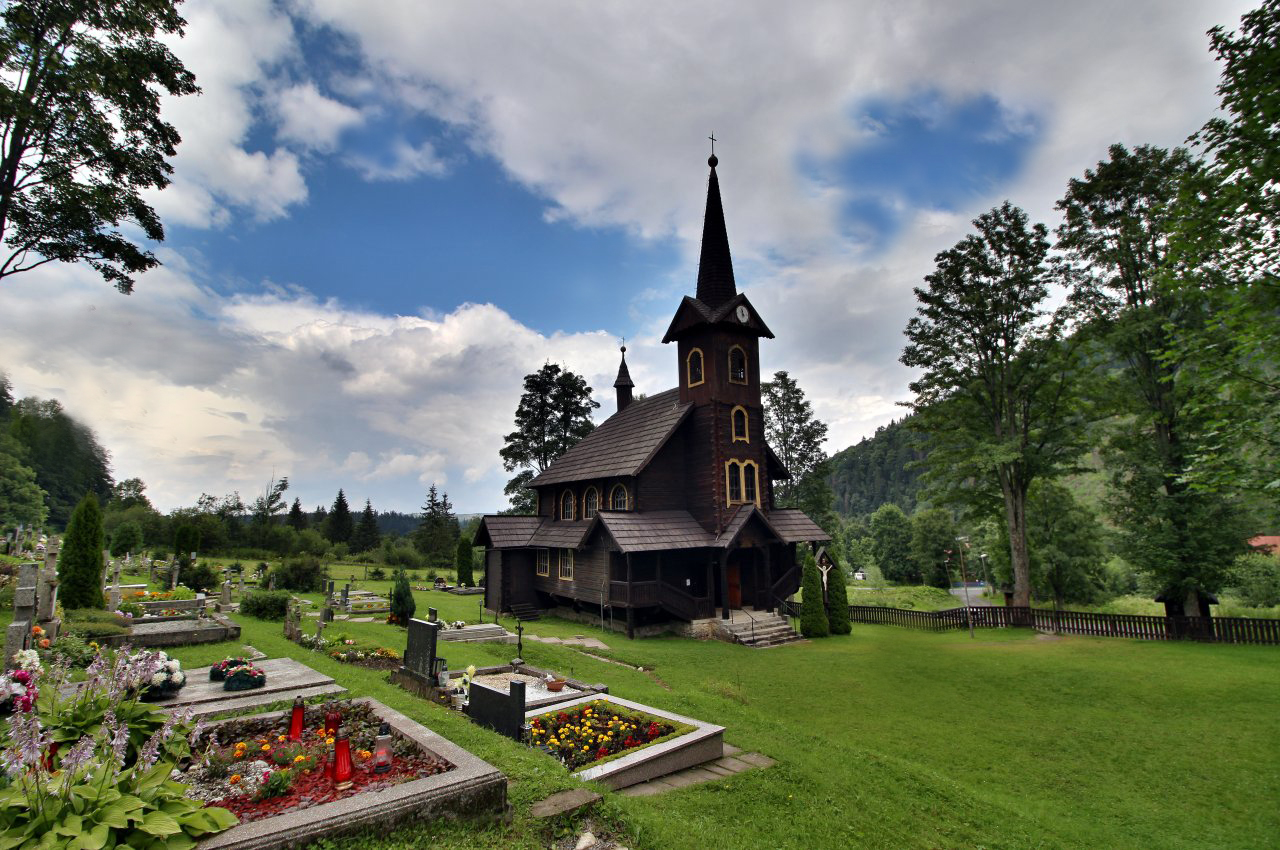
[623, 385]
[715, 267]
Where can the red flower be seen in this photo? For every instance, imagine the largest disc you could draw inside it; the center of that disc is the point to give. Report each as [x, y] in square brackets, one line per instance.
[601, 753]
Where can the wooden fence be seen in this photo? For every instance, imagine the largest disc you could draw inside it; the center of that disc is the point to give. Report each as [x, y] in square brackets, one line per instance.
[1086, 623]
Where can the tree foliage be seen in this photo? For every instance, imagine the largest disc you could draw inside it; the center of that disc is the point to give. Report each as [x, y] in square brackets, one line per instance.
[838, 598]
[995, 395]
[463, 560]
[879, 469]
[402, 604]
[338, 524]
[933, 546]
[22, 500]
[813, 612]
[1065, 539]
[81, 138]
[80, 559]
[891, 543]
[796, 437]
[553, 414]
[366, 536]
[65, 454]
[1116, 239]
[296, 518]
[127, 538]
[437, 534]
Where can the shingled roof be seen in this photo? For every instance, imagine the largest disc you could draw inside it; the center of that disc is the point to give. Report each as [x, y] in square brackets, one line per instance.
[560, 535]
[794, 526]
[623, 444]
[507, 532]
[654, 531]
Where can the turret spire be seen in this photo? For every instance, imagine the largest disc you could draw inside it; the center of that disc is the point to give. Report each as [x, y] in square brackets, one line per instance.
[623, 385]
[715, 266]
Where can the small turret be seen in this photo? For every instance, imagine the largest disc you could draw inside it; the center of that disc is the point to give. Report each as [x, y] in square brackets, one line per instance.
[623, 384]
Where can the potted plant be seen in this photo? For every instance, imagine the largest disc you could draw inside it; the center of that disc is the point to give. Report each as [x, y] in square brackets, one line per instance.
[218, 672]
[243, 678]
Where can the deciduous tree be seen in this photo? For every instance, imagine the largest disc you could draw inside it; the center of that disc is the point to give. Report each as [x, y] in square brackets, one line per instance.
[81, 138]
[796, 436]
[995, 396]
[933, 545]
[554, 413]
[891, 544]
[1065, 540]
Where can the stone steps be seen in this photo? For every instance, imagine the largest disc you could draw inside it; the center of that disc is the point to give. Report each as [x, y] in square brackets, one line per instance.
[477, 634]
[524, 611]
[769, 630]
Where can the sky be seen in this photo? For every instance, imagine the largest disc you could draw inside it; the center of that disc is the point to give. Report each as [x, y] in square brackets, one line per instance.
[383, 215]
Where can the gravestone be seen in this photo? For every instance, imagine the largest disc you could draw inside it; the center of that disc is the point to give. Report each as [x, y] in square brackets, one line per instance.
[292, 616]
[346, 596]
[151, 572]
[225, 599]
[320, 624]
[18, 635]
[47, 594]
[431, 615]
[420, 651]
[271, 585]
[113, 597]
[326, 614]
[174, 571]
[501, 712]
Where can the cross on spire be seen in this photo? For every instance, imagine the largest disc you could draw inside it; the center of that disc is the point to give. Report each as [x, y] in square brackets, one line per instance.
[712, 137]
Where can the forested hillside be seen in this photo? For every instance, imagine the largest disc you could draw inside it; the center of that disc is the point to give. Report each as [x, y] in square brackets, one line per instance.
[878, 471]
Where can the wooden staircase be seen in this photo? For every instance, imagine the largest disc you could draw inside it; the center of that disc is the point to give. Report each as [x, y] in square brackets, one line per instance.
[525, 612]
[756, 629]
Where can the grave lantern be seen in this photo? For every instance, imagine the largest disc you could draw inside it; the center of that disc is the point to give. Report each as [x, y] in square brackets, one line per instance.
[382, 749]
[296, 720]
[332, 720]
[342, 767]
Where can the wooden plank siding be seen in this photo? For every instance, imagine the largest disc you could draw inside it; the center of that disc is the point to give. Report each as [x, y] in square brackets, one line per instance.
[590, 576]
[661, 485]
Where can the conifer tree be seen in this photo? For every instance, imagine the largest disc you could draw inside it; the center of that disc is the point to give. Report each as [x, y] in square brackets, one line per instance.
[837, 599]
[463, 562]
[366, 535]
[402, 605]
[297, 519]
[338, 524]
[813, 614]
[436, 536]
[80, 561]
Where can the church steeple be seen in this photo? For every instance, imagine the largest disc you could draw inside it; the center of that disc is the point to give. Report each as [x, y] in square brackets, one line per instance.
[715, 266]
[623, 385]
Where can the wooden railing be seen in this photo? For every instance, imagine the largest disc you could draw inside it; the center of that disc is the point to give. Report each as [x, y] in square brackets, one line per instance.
[785, 585]
[682, 604]
[643, 593]
[1086, 623]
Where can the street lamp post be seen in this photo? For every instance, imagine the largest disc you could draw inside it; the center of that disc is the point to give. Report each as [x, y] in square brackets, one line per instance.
[964, 581]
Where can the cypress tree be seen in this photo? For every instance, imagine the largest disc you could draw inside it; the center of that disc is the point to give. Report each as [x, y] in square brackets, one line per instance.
[463, 562]
[80, 561]
[403, 605]
[837, 600]
[813, 615]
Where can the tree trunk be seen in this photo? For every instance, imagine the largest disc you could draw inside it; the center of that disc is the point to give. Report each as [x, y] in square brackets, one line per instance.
[1015, 509]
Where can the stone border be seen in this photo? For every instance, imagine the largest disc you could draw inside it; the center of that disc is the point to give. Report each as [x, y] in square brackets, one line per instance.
[474, 787]
[704, 743]
[214, 628]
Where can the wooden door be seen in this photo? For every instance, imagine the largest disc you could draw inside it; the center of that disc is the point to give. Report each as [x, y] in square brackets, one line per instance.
[734, 576]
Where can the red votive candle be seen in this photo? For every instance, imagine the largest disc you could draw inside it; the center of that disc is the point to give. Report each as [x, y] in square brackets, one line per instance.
[295, 720]
[332, 720]
[342, 767]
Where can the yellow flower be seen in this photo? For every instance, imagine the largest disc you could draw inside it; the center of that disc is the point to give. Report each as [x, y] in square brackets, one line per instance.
[266, 748]
[299, 758]
[280, 739]
[329, 741]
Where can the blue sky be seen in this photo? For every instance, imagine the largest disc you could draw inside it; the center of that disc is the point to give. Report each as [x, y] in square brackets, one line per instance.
[384, 215]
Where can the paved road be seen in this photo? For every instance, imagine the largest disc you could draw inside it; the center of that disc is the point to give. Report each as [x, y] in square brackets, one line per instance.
[975, 596]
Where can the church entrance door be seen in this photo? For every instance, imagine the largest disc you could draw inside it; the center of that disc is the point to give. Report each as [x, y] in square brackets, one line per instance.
[734, 576]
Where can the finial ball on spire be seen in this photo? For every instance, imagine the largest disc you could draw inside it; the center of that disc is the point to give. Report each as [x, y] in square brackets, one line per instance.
[624, 349]
[713, 161]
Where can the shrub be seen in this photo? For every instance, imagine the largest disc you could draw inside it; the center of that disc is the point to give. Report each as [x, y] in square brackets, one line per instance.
[813, 616]
[131, 608]
[463, 561]
[402, 604]
[73, 649]
[377, 574]
[128, 538]
[93, 623]
[199, 576]
[266, 604]
[80, 562]
[1258, 579]
[838, 600]
[304, 574]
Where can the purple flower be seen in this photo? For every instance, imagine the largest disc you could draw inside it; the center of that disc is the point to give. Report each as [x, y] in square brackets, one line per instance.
[77, 757]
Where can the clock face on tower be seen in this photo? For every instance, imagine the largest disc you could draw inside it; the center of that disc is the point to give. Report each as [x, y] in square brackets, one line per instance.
[743, 313]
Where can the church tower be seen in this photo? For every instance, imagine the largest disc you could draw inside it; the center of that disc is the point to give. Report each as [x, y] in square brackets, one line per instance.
[717, 334]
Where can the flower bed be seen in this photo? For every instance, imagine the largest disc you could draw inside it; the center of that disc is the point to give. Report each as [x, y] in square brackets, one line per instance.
[258, 772]
[351, 651]
[595, 732]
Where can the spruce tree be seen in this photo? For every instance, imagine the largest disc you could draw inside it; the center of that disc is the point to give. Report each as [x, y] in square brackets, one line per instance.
[80, 561]
[813, 615]
[463, 562]
[366, 536]
[436, 536]
[837, 599]
[297, 519]
[403, 605]
[338, 524]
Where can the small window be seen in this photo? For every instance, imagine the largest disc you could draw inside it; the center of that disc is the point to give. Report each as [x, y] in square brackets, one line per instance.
[749, 482]
[735, 483]
[566, 564]
[566, 505]
[618, 498]
[737, 365]
[544, 562]
[740, 431]
[590, 503]
[695, 367]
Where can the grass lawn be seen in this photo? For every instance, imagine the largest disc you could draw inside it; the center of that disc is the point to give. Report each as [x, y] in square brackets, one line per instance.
[892, 738]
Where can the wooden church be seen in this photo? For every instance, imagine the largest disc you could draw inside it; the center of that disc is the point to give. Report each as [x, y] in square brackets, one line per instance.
[666, 510]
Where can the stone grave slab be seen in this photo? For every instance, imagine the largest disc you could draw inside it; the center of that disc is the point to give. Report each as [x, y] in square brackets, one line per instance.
[284, 677]
[183, 632]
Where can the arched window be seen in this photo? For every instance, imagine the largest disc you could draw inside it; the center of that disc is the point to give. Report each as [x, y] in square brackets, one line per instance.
[740, 430]
[590, 503]
[566, 505]
[733, 474]
[737, 365]
[618, 498]
[695, 367]
[749, 482]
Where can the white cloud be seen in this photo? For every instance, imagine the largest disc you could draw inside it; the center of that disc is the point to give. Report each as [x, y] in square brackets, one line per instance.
[312, 120]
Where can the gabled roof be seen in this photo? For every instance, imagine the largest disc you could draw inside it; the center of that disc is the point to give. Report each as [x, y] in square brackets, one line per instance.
[654, 530]
[794, 526]
[560, 535]
[506, 532]
[623, 444]
[693, 312]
